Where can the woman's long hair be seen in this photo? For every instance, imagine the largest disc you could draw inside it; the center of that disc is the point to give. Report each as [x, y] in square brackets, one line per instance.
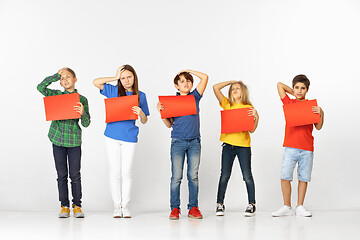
[135, 87]
[244, 94]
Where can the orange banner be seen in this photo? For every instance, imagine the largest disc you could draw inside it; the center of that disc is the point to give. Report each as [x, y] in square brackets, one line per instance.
[236, 120]
[61, 107]
[300, 113]
[120, 108]
[176, 106]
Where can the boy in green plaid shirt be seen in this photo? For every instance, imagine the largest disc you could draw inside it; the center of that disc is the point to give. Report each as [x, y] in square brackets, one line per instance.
[65, 136]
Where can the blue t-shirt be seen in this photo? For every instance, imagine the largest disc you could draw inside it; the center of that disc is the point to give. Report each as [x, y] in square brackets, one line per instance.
[126, 130]
[188, 127]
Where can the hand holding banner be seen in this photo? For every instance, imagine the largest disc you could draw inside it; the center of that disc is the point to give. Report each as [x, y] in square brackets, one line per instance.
[61, 107]
[176, 106]
[120, 108]
[300, 113]
[236, 120]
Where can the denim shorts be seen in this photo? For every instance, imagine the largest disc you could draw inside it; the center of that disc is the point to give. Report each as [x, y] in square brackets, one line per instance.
[305, 162]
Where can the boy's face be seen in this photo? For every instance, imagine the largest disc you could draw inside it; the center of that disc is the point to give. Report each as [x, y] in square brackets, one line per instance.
[300, 91]
[127, 80]
[184, 85]
[67, 81]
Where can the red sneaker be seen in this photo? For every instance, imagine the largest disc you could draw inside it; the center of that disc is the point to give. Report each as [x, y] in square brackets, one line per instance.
[194, 212]
[174, 215]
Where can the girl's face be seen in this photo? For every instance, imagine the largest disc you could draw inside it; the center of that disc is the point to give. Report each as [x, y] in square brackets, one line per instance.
[67, 81]
[300, 91]
[127, 80]
[236, 91]
[184, 85]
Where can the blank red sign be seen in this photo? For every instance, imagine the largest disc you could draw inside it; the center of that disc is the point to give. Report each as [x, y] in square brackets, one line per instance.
[236, 120]
[176, 106]
[120, 108]
[61, 107]
[300, 113]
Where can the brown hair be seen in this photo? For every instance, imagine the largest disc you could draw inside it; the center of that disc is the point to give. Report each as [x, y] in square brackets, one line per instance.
[70, 71]
[186, 75]
[244, 94]
[135, 87]
[301, 78]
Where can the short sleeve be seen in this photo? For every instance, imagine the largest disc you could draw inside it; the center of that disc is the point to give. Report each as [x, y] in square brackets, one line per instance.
[286, 100]
[109, 90]
[143, 104]
[196, 95]
[225, 103]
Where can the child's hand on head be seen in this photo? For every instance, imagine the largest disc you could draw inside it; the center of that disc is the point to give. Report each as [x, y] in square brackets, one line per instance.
[79, 109]
[159, 106]
[183, 71]
[119, 71]
[61, 71]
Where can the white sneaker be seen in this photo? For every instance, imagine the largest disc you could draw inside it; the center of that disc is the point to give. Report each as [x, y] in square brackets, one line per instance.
[283, 211]
[117, 213]
[126, 212]
[301, 211]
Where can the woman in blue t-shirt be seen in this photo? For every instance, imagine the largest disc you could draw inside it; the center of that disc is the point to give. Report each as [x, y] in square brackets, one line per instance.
[121, 136]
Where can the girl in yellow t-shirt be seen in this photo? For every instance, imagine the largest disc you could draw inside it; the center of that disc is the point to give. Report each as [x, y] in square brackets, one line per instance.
[236, 144]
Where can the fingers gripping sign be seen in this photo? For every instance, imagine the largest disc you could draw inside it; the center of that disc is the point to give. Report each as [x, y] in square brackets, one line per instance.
[137, 110]
[79, 109]
[159, 107]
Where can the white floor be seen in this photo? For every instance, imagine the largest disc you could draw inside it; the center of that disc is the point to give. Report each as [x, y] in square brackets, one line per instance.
[156, 225]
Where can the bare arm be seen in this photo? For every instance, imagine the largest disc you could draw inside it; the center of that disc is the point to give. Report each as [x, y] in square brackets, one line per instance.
[167, 121]
[203, 80]
[318, 110]
[283, 89]
[138, 111]
[217, 89]
[253, 112]
[99, 82]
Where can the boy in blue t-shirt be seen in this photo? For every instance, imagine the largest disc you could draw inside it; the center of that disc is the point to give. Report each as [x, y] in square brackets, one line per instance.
[185, 139]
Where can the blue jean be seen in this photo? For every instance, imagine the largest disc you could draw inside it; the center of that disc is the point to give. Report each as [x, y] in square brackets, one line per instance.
[304, 159]
[72, 156]
[192, 149]
[229, 152]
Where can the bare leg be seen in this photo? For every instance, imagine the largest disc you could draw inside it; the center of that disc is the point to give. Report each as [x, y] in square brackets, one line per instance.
[286, 191]
[301, 192]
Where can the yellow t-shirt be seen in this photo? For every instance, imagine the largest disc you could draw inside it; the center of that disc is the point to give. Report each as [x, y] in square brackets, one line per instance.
[241, 139]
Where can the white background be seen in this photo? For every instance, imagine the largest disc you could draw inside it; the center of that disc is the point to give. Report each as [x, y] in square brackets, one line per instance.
[259, 42]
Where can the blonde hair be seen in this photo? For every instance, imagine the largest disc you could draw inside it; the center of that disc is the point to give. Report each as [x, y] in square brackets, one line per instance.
[245, 99]
[70, 71]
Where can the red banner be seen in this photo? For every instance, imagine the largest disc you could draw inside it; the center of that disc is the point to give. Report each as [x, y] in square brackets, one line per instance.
[176, 106]
[120, 108]
[300, 113]
[61, 107]
[236, 120]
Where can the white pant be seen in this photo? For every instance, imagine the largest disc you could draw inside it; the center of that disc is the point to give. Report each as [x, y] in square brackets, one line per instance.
[121, 155]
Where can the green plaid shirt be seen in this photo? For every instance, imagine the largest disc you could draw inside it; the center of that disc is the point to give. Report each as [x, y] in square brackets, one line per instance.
[65, 133]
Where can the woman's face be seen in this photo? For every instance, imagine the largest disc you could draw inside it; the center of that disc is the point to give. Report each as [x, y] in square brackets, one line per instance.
[127, 80]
